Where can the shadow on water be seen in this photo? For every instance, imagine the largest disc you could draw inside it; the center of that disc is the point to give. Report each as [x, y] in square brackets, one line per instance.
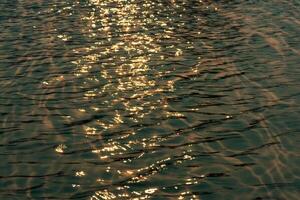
[173, 99]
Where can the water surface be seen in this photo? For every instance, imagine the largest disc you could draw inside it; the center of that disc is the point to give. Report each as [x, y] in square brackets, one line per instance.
[149, 99]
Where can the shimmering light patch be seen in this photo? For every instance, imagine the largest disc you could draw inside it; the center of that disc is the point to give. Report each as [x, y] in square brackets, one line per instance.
[82, 110]
[178, 52]
[105, 195]
[60, 148]
[188, 157]
[120, 58]
[90, 93]
[80, 173]
[129, 172]
[191, 181]
[64, 37]
[175, 114]
[118, 118]
[112, 147]
[131, 71]
[95, 108]
[90, 130]
[150, 190]
[75, 185]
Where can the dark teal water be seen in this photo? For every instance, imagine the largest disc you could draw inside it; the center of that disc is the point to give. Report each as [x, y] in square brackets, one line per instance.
[162, 99]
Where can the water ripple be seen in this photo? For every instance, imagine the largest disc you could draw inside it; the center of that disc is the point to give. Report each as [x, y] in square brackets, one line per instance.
[177, 99]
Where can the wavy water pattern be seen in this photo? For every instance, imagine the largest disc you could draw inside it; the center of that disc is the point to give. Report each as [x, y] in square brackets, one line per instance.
[143, 99]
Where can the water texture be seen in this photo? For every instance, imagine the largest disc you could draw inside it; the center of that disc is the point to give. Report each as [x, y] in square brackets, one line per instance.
[149, 99]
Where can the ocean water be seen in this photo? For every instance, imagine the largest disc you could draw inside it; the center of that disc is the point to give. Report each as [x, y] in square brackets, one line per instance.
[149, 99]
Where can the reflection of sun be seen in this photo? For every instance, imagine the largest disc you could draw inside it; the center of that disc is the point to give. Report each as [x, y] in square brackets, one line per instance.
[119, 62]
[126, 52]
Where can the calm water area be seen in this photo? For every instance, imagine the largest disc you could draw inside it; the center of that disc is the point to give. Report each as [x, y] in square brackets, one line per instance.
[149, 99]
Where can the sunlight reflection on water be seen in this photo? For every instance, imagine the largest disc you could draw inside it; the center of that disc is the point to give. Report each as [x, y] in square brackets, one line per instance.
[126, 99]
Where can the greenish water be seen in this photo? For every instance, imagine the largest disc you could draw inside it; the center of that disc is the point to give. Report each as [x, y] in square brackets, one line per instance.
[163, 99]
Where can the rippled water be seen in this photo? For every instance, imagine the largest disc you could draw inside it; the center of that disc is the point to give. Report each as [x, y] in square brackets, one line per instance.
[149, 99]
